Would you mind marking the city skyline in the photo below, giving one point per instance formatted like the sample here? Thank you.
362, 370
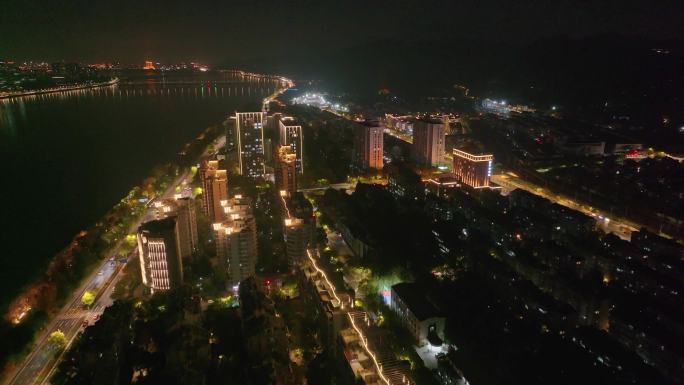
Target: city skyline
337, 192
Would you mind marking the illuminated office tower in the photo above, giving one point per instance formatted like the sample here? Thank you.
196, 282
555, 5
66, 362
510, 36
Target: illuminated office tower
249, 131
428, 142
236, 243
473, 170
161, 267
214, 189
291, 135
286, 169
368, 145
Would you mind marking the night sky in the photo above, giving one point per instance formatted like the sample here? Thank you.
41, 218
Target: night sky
218, 32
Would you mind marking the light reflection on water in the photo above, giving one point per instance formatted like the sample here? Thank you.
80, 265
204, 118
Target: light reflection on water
69, 156
14, 109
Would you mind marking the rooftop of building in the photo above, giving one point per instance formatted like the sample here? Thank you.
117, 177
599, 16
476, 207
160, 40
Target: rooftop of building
299, 206
370, 123
472, 148
359, 362
210, 164
475, 157
159, 225
416, 299
394, 371
429, 120
289, 122
286, 149
250, 107
443, 179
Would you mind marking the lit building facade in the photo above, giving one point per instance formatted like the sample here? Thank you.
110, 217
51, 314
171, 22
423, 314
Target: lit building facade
473, 170
368, 146
214, 189
236, 243
161, 267
291, 134
286, 169
428, 142
249, 131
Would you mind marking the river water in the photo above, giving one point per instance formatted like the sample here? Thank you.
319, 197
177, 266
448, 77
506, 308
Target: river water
68, 157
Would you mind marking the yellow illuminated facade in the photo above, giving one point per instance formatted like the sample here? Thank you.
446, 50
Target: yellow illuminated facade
473, 170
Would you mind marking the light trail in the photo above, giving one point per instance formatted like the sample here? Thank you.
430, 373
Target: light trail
356, 328
365, 346
282, 197
332, 287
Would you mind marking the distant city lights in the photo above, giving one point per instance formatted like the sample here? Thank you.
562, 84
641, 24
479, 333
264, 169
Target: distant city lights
319, 101
502, 107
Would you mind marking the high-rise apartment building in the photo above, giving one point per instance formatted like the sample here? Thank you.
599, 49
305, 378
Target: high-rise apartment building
428, 142
183, 209
187, 227
231, 140
269, 148
286, 169
214, 189
273, 122
291, 135
236, 243
368, 145
249, 132
473, 170
297, 234
300, 225
161, 266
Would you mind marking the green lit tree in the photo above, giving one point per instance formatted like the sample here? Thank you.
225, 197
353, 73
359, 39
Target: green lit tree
57, 340
88, 298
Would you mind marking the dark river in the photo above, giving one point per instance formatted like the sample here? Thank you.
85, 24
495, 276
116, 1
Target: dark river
68, 157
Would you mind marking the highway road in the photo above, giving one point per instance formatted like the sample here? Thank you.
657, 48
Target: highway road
71, 320
74, 317
609, 224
